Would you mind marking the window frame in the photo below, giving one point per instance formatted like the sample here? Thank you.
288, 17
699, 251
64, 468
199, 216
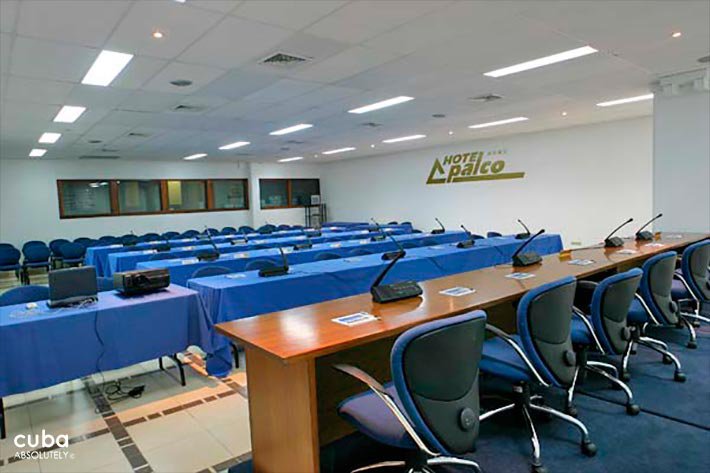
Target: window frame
289, 189
116, 183
60, 196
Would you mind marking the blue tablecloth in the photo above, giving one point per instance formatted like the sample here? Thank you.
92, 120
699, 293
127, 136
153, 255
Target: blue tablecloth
235, 296
127, 260
181, 269
43, 347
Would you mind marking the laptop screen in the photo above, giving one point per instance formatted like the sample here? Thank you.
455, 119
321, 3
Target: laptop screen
72, 284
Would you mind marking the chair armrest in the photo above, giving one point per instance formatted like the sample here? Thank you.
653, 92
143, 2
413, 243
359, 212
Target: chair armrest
509, 340
645, 307
363, 377
589, 326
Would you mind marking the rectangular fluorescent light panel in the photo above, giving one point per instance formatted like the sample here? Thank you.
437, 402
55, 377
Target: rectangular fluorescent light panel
236, 144
339, 150
288, 160
543, 61
404, 138
37, 153
499, 122
49, 137
106, 67
195, 156
291, 129
382, 104
69, 114
638, 98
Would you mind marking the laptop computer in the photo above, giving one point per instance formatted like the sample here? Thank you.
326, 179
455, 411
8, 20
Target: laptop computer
72, 286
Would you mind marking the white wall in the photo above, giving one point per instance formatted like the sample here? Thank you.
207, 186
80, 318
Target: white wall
29, 206
580, 182
681, 180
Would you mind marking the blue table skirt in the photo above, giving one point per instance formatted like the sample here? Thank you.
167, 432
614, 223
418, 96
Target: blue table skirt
44, 347
240, 295
127, 260
182, 269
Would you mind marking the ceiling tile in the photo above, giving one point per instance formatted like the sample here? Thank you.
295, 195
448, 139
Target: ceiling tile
181, 27
38, 91
48, 60
139, 71
282, 90
5, 52
221, 6
104, 133
199, 75
287, 13
345, 64
238, 84
94, 96
234, 42
144, 101
8, 15
71, 21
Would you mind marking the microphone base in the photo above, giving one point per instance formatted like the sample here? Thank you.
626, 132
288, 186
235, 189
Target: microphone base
437, 231
377, 238
238, 242
644, 236
271, 272
162, 248
385, 293
522, 236
302, 246
390, 255
465, 244
613, 242
526, 259
207, 256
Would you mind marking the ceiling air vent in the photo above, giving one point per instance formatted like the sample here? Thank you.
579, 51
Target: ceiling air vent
295, 142
136, 134
284, 60
371, 124
486, 98
189, 108
98, 156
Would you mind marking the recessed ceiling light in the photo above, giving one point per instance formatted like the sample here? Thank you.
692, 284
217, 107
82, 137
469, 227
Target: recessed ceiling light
543, 61
339, 150
157, 34
404, 138
288, 160
180, 1
451, 132
499, 122
382, 104
638, 98
291, 129
106, 67
236, 144
49, 137
195, 156
564, 114
37, 153
69, 114
372, 146
676, 34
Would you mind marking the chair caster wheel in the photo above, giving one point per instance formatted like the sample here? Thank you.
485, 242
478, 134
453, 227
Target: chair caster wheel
633, 409
692, 345
589, 449
667, 360
625, 376
679, 377
571, 411
539, 469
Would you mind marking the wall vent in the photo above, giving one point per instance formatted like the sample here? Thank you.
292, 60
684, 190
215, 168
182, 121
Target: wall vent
98, 156
284, 60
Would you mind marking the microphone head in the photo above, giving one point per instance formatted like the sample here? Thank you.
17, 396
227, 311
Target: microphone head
631, 219
659, 215
542, 230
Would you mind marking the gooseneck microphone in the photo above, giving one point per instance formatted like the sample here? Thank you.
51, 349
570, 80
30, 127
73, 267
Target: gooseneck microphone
390, 255
308, 244
383, 293
276, 270
438, 231
530, 257
524, 235
208, 255
613, 241
468, 243
646, 235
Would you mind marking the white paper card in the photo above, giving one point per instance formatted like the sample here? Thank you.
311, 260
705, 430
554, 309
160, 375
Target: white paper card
235, 275
627, 252
336, 245
457, 291
354, 319
520, 276
240, 255
581, 262
655, 245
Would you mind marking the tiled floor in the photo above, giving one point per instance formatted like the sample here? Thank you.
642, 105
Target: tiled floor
203, 427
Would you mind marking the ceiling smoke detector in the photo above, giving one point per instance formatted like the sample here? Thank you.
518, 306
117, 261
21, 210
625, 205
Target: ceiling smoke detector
284, 60
181, 82
486, 98
439, 115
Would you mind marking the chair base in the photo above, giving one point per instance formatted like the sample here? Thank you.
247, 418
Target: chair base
657, 346
421, 464
608, 371
179, 365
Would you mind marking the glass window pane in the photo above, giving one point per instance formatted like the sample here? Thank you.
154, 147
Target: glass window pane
81, 198
274, 193
229, 194
302, 190
138, 196
186, 195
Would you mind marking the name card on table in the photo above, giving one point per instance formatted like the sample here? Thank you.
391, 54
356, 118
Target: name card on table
457, 291
354, 319
581, 262
519, 276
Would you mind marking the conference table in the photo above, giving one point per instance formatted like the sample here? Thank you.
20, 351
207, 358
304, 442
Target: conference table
293, 389
126, 259
246, 294
181, 269
42, 347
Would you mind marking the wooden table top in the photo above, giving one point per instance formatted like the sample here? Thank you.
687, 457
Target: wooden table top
308, 331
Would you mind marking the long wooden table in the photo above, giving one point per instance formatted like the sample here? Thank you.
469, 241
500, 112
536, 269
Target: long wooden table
293, 390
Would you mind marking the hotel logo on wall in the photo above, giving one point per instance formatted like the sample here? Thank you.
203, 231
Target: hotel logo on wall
470, 167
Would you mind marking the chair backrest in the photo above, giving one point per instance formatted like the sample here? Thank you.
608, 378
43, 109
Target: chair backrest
150, 237
610, 305
108, 240
393, 222
284, 227
190, 234
6, 245
326, 255
72, 250
210, 271
409, 244
246, 228
656, 285
259, 264
54, 245
296, 227
104, 284
544, 317
33, 243
228, 231
359, 252
24, 294
266, 228
439, 394
83, 241
36, 253
9, 256
493, 234
170, 235
213, 231
694, 265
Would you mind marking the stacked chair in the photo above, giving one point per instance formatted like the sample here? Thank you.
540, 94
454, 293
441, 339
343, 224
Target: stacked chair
36, 255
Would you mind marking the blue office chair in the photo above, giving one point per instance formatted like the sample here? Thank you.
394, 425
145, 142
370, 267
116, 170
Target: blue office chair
541, 354
33, 243
692, 283
393, 222
599, 325
283, 227
210, 271
259, 264
86, 242
359, 252
296, 227
35, 256
56, 254
108, 240
246, 229
212, 231
104, 284
228, 231
170, 235
10, 261
24, 294
149, 237
431, 407
189, 234
493, 235
266, 229
6, 245
72, 254
326, 255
